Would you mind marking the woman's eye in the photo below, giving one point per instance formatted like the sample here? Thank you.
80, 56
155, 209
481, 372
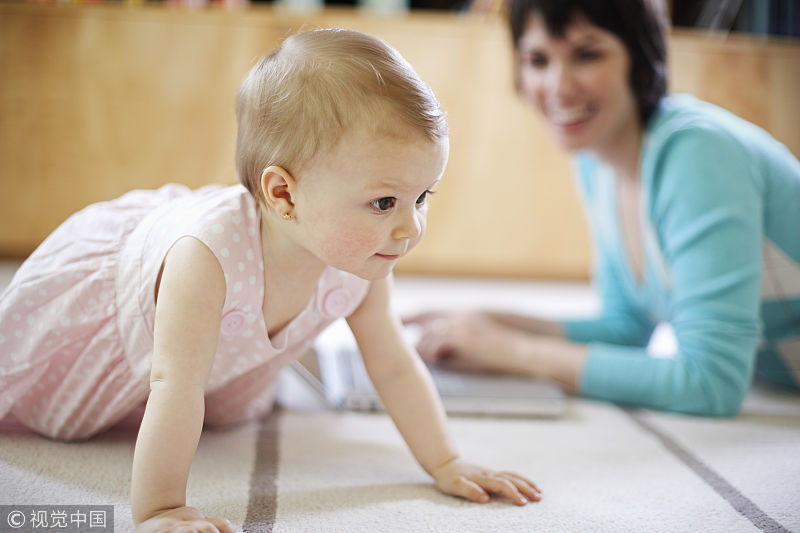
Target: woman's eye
587, 55
424, 197
536, 60
383, 204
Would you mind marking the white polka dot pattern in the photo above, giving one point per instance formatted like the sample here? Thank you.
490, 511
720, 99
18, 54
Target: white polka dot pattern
76, 322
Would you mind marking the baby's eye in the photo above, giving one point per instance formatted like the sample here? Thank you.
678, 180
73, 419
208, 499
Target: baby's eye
424, 197
384, 204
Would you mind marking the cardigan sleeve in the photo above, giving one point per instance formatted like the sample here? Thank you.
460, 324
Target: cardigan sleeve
620, 321
707, 214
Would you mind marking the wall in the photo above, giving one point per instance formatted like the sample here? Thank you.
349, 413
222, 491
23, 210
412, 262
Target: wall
98, 100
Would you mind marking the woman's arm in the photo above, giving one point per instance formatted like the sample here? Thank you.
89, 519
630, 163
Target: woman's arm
410, 398
501, 342
534, 325
620, 321
513, 343
707, 215
708, 219
190, 298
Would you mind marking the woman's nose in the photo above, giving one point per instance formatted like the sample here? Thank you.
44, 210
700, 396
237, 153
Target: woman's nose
561, 81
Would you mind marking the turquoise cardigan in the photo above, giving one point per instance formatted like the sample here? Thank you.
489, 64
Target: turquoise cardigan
721, 210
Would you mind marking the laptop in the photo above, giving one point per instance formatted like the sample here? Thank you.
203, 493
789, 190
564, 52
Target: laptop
335, 371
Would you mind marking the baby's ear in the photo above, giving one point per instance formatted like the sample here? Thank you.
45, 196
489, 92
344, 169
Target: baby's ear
278, 186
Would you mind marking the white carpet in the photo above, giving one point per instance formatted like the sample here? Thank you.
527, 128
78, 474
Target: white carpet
602, 468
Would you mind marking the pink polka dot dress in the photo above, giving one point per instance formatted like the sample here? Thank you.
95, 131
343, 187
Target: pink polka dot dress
76, 322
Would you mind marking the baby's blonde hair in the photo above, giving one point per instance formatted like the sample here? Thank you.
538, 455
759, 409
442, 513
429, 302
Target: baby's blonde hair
298, 100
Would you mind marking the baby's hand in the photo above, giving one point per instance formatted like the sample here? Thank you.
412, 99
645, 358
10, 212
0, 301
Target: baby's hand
475, 483
184, 519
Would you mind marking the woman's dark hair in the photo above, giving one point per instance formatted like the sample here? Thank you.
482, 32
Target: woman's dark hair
640, 24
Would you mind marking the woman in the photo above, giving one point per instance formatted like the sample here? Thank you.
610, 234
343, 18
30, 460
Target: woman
694, 215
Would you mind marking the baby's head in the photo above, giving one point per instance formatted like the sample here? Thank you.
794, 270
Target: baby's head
296, 102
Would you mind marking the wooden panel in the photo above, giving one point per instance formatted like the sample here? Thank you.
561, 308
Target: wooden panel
755, 78
95, 101
99, 101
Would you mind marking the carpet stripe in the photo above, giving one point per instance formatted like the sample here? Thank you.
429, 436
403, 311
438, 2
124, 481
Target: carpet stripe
263, 502
728, 492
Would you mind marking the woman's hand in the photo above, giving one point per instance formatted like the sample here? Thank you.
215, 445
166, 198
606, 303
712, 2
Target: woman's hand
475, 483
471, 341
483, 341
184, 519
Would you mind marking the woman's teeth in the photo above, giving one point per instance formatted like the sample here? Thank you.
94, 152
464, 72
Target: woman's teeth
570, 115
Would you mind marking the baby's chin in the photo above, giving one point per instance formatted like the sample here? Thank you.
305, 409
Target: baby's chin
371, 272
373, 276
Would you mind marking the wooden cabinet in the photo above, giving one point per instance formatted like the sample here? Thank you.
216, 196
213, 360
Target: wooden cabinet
98, 100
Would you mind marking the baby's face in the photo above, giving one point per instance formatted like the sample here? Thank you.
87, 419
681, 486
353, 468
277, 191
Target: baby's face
363, 205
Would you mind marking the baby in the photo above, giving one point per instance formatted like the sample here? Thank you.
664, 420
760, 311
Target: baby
193, 301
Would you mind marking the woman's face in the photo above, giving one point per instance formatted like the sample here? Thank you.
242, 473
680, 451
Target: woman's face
579, 83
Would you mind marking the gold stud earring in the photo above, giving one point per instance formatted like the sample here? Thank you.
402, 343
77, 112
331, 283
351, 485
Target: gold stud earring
287, 216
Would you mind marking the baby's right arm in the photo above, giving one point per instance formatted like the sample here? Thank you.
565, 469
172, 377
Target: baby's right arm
190, 299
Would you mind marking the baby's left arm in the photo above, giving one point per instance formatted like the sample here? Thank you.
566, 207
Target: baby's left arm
410, 398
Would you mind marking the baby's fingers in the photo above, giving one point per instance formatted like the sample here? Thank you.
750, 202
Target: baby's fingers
224, 526
469, 490
527, 487
497, 484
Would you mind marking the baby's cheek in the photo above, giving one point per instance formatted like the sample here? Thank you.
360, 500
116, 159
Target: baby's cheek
348, 244
419, 237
